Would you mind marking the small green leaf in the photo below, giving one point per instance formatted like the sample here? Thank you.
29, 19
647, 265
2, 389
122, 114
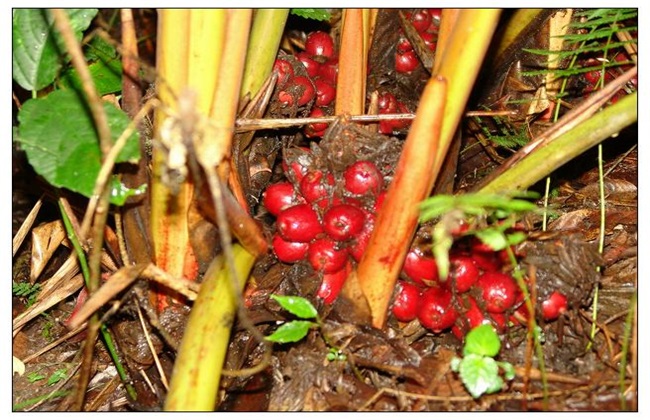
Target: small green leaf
515, 238
494, 238
482, 341
35, 376
37, 48
58, 135
480, 375
508, 370
291, 332
120, 192
56, 377
299, 306
316, 14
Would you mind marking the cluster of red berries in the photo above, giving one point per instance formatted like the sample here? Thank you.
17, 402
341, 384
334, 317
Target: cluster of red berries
323, 220
426, 23
476, 291
593, 77
321, 63
388, 104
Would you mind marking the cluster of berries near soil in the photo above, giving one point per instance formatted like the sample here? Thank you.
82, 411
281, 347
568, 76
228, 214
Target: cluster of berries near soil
320, 61
326, 220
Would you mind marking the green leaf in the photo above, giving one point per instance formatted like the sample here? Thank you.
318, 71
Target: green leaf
494, 238
482, 341
58, 135
35, 376
56, 377
120, 192
480, 375
105, 69
297, 305
291, 332
508, 370
316, 14
38, 49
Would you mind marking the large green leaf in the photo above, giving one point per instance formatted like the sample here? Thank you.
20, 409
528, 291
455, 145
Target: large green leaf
37, 47
58, 134
104, 65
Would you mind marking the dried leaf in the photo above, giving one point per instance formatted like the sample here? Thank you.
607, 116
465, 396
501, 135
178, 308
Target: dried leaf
46, 238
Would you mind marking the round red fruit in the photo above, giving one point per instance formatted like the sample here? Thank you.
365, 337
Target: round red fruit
407, 301
463, 273
387, 103
317, 112
420, 268
280, 196
499, 291
436, 310
298, 223
554, 306
404, 45
319, 43
326, 256
332, 284
406, 62
421, 20
289, 252
360, 242
329, 70
284, 69
429, 40
363, 177
310, 64
308, 92
343, 221
325, 92
315, 185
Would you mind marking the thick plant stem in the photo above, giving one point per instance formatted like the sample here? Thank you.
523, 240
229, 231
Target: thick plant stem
353, 58
571, 144
197, 370
396, 222
265, 37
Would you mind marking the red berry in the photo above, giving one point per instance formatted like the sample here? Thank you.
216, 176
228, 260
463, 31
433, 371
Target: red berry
499, 291
326, 256
470, 315
404, 45
554, 306
319, 43
463, 273
386, 127
284, 70
360, 242
280, 196
310, 64
315, 185
436, 310
421, 20
429, 40
343, 221
329, 70
363, 177
420, 268
406, 62
308, 92
379, 202
316, 129
298, 223
289, 252
325, 92
332, 284
435, 15
387, 103
407, 301
296, 162
486, 261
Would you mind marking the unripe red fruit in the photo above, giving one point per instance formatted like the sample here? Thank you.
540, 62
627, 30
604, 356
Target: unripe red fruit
421, 20
325, 92
499, 291
284, 70
298, 223
406, 62
325, 255
280, 196
343, 221
319, 43
407, 301
463, 273
554, 306
363, 177
313, 186
289, 252
436, 310
420, 268
310, 64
